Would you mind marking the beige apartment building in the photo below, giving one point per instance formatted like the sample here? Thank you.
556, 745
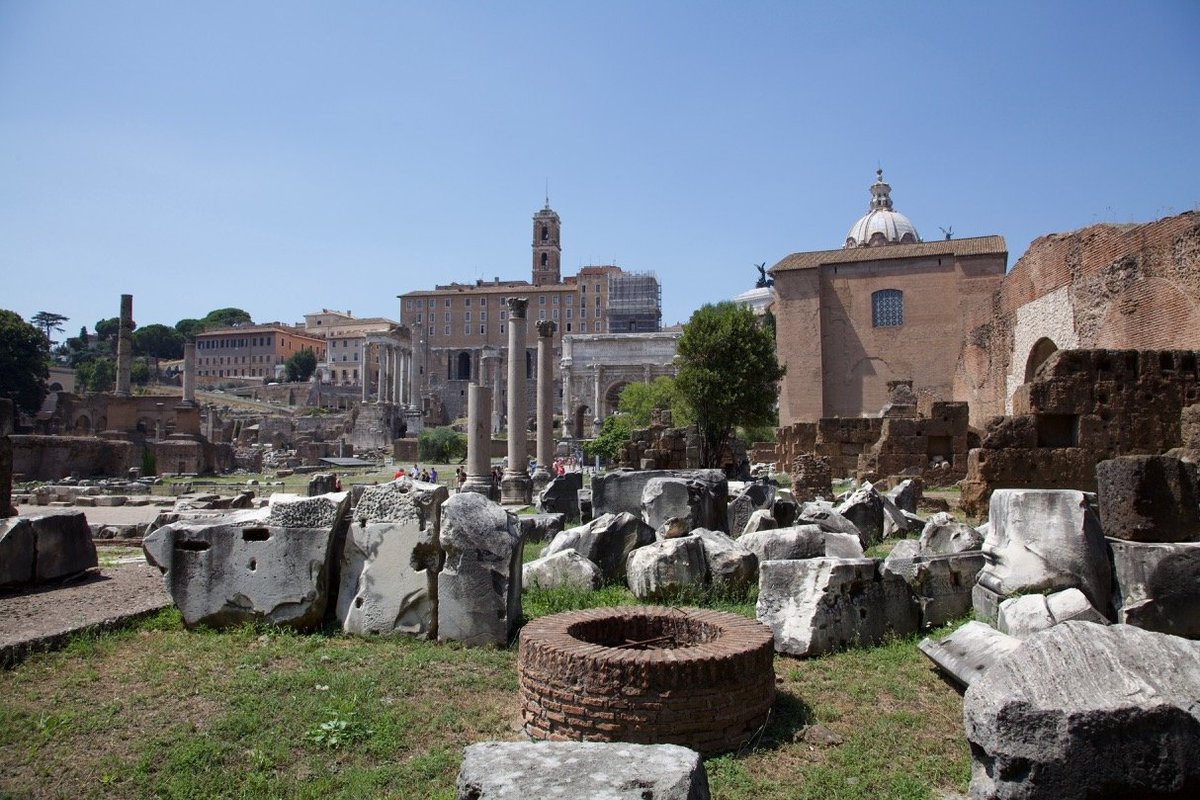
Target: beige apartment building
254, 352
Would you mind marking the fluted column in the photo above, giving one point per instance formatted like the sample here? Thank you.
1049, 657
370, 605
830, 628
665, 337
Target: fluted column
515, 487
479, 439
545, 403
379, 361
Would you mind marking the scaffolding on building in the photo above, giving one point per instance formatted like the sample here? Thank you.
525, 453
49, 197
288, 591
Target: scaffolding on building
634, 302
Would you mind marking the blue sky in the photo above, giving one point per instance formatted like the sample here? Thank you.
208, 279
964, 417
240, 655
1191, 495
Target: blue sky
289, 156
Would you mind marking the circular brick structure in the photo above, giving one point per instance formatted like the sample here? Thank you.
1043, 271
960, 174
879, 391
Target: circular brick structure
648, 675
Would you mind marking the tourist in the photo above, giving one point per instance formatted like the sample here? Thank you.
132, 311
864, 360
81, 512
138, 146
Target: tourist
399, 474
433, 474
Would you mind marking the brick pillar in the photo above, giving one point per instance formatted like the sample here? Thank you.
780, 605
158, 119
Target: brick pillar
515, 487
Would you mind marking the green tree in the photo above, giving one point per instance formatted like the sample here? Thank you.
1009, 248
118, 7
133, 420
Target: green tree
638, 400
300, 366
139, 372
96, 375
188, 328
107, 330
49, 321
728, 373
24, 352
614, 433
225, 317
158, 341
441, 445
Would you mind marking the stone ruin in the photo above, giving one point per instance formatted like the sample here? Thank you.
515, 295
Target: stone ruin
1084, 406
662, 446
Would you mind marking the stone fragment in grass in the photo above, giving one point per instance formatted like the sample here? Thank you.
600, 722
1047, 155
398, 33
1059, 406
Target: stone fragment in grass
479, 588
564, 569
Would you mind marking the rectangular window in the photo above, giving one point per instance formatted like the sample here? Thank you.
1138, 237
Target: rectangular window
482, 329
541, 313
597, 312
447, 302
569, 311
503, 316
887, 308
430, 333
583, 327
555, 314
446, 332
568, 327
467, 302
447, 316
483, 301
502, 329
419, 320
483, 316
570, 299
541, 299
467, 316
466, 330
555, 299
583, 288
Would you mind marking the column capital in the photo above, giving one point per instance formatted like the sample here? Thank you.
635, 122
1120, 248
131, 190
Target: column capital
546, 328
517, 306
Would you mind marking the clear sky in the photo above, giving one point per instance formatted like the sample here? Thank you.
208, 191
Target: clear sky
284, 157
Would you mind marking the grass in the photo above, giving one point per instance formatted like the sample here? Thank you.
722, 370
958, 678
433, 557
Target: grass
158, 711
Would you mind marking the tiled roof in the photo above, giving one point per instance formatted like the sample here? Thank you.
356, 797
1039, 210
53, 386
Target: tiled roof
976, 246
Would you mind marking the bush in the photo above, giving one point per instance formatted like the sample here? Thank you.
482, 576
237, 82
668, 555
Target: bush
441, 445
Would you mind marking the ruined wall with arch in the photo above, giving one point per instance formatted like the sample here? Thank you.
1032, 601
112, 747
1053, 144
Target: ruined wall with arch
1134, 287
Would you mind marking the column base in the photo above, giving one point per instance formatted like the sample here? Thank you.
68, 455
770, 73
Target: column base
515, 488
480, 484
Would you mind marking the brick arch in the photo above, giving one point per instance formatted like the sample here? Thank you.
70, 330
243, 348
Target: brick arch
1042, 349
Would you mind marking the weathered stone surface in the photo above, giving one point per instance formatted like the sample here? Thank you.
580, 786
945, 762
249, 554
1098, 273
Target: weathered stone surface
1087, 711
63, 546
1031, 613
895, 521
1149, 499
801, 541
1043, 540
479, 588
606, 541
221, 574
730, 565
739, 512
322, 511
593, 770
906, 494
822, 514
561, 495
785, 510
541, 527
941, 584
864, 508
673, 529
662, 570
969, 651
684, 497
760, 520
1157, 586
16, 551
943, 534
818, 605
566, 568
620, 491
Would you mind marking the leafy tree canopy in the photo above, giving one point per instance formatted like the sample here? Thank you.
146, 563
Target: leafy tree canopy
638, 400
139, 372
300, 366
441, 445
158, 341
24, 351
225, 317
96, 375
614, 433
728, 374
49, 321
188, 328
107, 329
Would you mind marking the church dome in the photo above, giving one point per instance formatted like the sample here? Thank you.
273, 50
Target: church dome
881, 224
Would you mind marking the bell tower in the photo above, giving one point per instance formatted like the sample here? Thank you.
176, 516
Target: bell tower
547, 247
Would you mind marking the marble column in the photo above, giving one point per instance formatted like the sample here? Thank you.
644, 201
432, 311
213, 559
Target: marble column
545, 403
479, 439
380, 382
189, 373
394, 374
515, 486
124, 345
366, 371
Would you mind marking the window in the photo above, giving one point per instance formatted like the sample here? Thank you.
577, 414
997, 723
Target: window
483, 316
544, 259
569, 310
467, 317
545, 233
466, 330
447, 302
483, 301
887, 308
467, 302
568, 327
482, 330
501, 329
446, 332
541, 299
583, 327
541, 313
419, 320
447, 316
570, 299
555, 301
503, 316
597, 312
556, 313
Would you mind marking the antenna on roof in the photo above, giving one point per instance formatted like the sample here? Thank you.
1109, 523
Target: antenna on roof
948, 231
547, 192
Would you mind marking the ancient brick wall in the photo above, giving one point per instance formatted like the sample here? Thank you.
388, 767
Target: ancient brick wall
1105, 286
1082, 407
934, 446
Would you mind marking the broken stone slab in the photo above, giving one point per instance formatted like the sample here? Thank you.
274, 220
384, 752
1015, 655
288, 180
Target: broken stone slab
1043, 540
760, 520
785, 509
1087, 711
609, 770
566, 568
1032, 613
801, 541
667, 497
822, 514
672, 529
63, 546
390, 560
739, 512
1149, 499
1157, 585
864, 508
606, 541
730, 565
541, 527
479, 588
664, 570
895, 522
221, 573
941, 584
620, 491
943, 534
818, 605
16, 551
906, 494
321, 511
561, 495
969, 651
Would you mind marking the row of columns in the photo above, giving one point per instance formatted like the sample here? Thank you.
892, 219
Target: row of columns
516, 485
395, 366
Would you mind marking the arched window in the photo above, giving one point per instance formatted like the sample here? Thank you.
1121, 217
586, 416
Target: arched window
887, 308
464, 366
545, 233
545, 259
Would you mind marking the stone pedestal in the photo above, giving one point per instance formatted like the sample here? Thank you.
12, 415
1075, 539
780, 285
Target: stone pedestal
545, 404
479, 436
515, 487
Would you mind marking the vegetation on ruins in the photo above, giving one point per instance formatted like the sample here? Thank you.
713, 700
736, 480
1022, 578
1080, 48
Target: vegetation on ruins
24, 353
728, 374
639, 400
442, 445
49, 322
95, 375
300, 366
614, 433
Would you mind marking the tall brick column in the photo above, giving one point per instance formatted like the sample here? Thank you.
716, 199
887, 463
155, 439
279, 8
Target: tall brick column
545, 403
479, 439
515, 486
124, 345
